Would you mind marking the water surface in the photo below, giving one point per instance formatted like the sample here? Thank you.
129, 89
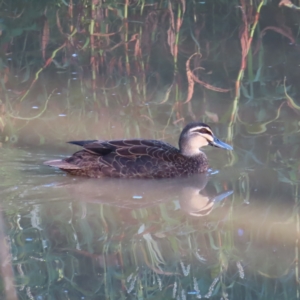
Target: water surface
233, 231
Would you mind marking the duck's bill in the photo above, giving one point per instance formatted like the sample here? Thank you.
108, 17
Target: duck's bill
217, 143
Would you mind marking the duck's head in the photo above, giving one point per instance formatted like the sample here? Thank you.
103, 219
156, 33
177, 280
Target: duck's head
196, 135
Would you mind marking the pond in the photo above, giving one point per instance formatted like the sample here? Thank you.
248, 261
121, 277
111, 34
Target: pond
84, 70
230, 233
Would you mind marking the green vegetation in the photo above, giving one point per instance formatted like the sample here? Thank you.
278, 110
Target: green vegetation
82, 58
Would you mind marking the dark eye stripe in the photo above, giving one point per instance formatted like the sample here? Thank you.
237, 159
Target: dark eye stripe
204, 130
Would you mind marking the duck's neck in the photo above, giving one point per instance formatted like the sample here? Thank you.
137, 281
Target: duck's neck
190, 146
198, 157
189, 151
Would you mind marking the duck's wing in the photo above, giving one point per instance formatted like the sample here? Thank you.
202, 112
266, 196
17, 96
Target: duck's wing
131, 158
94, 146
125, 147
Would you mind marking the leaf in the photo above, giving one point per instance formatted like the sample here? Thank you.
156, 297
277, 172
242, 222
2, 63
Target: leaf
160, 235
290, 100
45, 37
190, 79
257, 76
245, 91
26, 75
141, 229
171, 30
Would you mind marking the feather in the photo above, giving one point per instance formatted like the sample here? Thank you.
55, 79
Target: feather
58, 163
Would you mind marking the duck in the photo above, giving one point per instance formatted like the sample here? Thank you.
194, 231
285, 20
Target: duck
142, 158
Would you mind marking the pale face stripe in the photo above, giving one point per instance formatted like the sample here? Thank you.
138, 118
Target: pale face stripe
207, 136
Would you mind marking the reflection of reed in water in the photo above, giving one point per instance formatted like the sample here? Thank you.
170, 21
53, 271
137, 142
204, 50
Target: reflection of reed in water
138, 248
114, 248
6, 266
189, 193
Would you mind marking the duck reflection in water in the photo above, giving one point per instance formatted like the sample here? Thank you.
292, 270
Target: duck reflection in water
188, 193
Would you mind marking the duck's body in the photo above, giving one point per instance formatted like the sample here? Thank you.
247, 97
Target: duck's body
139, 158
131, 159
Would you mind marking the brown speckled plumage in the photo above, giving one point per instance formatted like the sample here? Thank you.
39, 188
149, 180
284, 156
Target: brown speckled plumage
138, 158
